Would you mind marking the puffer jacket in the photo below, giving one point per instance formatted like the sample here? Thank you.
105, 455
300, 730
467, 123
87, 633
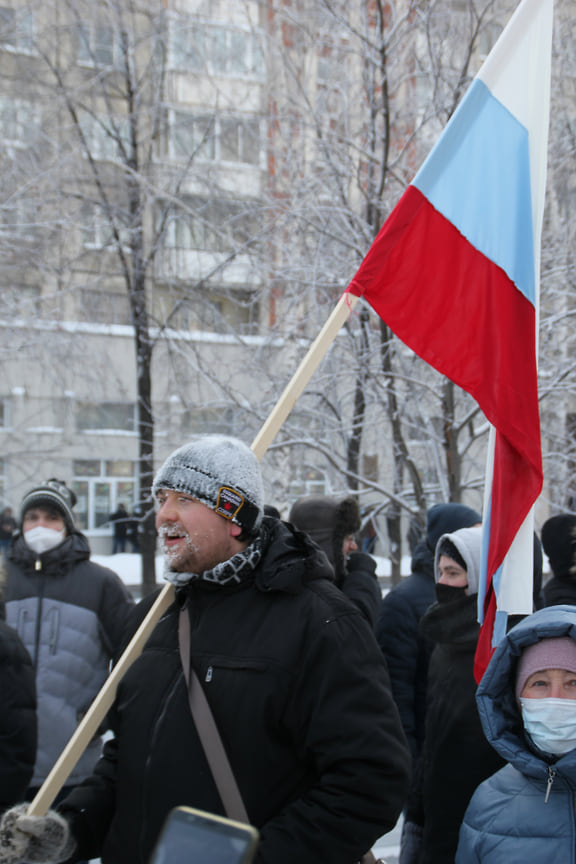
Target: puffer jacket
301, 696
527, 810
70, 614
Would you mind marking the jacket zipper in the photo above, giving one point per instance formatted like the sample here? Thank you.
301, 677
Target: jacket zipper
38, 567
551, 777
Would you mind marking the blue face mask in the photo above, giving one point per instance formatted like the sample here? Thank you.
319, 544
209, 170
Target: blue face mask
550, 723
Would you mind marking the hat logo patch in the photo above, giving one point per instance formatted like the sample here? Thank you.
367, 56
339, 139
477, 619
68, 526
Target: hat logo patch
228, 502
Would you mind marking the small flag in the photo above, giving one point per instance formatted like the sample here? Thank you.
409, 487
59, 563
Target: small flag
454, 272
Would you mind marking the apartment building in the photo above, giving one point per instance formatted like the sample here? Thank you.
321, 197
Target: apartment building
186, 190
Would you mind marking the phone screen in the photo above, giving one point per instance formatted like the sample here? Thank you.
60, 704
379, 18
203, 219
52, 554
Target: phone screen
193, 837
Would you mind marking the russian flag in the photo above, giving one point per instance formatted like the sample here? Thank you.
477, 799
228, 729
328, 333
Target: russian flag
454, 272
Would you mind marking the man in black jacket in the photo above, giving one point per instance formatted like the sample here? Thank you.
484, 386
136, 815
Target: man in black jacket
292, 672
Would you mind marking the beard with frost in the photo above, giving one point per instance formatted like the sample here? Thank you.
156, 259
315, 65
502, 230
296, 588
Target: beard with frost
233, 570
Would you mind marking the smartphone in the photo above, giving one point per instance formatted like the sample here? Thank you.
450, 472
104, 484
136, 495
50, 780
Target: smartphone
192, 836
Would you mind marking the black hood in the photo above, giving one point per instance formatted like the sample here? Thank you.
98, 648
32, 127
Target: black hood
290, 559
441, 519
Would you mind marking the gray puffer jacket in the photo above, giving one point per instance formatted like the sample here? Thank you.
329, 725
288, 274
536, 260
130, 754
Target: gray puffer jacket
527, 810
70, 613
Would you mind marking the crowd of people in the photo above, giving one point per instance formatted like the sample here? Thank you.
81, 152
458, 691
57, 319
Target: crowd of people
338, 710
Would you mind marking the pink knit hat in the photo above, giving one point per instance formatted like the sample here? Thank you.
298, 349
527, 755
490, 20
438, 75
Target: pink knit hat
557, 653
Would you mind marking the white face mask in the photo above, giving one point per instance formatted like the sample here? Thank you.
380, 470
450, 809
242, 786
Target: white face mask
551, 723
41, 539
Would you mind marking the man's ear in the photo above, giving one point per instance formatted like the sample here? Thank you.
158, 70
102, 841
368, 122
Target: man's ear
235, 530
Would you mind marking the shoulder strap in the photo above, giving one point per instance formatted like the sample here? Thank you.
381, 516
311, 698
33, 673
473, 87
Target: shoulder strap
208, 731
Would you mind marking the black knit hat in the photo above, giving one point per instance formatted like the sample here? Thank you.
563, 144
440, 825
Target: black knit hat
51, 494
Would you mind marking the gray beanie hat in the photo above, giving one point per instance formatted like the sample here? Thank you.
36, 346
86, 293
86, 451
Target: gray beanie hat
468, 542
54, 494
220, 472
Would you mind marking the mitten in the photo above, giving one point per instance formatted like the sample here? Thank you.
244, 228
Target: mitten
34, 839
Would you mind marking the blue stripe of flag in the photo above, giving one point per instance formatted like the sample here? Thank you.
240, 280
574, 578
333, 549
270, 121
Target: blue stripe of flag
478, 177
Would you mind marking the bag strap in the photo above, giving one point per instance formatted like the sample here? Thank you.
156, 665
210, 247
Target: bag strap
208, 731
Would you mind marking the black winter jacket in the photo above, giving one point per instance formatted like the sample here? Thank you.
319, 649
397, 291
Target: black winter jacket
301, 696
17, 718
456, 756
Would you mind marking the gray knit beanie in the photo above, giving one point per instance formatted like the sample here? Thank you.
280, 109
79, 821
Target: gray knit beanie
220, 472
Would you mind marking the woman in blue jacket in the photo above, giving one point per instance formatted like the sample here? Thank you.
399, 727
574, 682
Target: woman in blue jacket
527, 705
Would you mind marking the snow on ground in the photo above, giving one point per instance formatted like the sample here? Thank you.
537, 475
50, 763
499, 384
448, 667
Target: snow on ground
128, 566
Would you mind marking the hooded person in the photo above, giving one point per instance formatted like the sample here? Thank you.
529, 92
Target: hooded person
69, 612
334, 525
559, 544
527, 705
456, 756
315, 746
406, 651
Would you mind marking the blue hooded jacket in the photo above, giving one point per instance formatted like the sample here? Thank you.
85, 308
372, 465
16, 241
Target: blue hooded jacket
527, 810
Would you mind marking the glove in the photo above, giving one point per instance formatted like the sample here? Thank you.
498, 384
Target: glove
35, 839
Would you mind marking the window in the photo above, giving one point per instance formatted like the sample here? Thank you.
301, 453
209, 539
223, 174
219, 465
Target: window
192, 135
100, 485
208, 310
16, 30
200, 421
98, 416
306, 481
216, 50
103, 307
213, 225
19, 217
227, 138
98, 45
239, 140
97, 229
105, 135
19, 301
19, 122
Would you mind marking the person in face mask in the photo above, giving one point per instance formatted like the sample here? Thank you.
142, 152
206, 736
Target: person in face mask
527, 705
455, 755
70, 614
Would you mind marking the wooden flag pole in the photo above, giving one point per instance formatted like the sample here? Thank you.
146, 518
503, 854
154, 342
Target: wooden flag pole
303, 374
93, 718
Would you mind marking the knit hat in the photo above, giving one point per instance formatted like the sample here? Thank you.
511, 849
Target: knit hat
52, 493
468, 542
556, 653
559, 543
220, 472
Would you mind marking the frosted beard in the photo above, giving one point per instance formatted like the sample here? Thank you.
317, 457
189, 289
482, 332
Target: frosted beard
173, 555
235, 569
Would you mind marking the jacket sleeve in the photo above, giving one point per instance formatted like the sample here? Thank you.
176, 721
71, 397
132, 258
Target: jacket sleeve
361, 586
17, 719
342, 713
398, 636
116, 604
89, 807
